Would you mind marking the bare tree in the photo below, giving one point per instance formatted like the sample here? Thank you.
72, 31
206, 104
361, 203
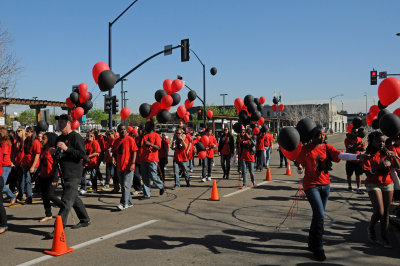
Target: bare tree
317, 112
9, 64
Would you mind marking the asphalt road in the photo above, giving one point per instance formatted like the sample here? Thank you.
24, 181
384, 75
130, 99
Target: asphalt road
263, 225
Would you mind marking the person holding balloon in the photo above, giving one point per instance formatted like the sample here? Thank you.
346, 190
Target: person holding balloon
226, 147
211, 143
93, 150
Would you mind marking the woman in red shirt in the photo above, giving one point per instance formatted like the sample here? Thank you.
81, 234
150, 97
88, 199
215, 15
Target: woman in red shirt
110, 169
7, 164
3, 215
30, 161
48, 175
93, 150
17, 152
247, 146
379, 183
163, 155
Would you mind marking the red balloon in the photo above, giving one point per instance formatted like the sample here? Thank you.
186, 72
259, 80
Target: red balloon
210, 114
202, 155
198, 138
349, 127
166, 101
154, 109
374, 110
79, 112
176, 85
397, 112
74, 124
261, 121
69, 103
389, 90
129, 129
262, 99
292, 155
181, 111
97, 69
205, 140
167, 86
188, 104
281, 107
82, 88
186, 118
370, 119
125, 112
239, 104
256, 131
274, 107
83, 97
135, 131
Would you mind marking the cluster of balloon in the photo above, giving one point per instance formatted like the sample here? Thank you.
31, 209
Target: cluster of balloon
201, 145
276, 107
356, 123
249, 110
103, 76
79, 102
132, 130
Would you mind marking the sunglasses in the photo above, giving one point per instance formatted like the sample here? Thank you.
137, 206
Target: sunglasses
19, 130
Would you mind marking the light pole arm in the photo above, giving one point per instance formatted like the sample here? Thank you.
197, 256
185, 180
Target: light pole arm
123, 12
196, 95
197, 57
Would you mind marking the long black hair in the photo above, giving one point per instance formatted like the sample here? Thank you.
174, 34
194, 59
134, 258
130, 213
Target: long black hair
371, 137
51, 139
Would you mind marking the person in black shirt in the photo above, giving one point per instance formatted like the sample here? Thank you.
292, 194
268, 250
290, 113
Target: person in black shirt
69, 153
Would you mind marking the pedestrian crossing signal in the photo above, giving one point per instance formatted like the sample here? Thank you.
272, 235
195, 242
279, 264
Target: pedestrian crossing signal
374, 77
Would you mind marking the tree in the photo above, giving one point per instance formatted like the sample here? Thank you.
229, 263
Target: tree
27, 117
97, 115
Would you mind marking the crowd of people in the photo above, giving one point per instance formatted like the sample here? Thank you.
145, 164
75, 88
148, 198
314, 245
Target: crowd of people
138, 161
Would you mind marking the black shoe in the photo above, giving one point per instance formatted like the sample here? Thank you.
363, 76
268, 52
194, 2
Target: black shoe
320, 255
144, 198
49, 235
162, 191
280, 166
80, 224
188, 184
28, 200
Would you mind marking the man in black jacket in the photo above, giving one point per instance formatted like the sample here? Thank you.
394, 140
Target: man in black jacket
226, 147
69, 153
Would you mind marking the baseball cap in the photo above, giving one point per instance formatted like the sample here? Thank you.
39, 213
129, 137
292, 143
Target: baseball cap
63, 117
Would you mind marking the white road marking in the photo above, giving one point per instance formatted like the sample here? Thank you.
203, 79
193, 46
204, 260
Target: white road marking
90, 242
242, 190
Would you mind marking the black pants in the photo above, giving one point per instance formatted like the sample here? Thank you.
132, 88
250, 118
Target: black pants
3, 215
226, 164
162, 162
207, 164
71, 199
12, 179
281, 158
48, 194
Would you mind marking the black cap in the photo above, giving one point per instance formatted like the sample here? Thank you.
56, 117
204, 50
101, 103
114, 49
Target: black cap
64, 117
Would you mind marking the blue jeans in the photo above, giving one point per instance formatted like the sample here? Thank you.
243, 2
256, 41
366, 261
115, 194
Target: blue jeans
207, 165
149, 172
181, 166
6, 173
125, 181
3, 215
267, 155
191, 164
247, 165
26, 183
318, 197
93, 178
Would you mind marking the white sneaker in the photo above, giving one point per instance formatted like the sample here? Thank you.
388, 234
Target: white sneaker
203, 179
121, 207
102, 182
209, 178
82, 192
191, 171
128, 206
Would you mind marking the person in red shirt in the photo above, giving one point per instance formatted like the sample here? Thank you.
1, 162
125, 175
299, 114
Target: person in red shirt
100, 140
124, 157
226, 147
16, 157
163, 155
355, 145
151, 144
180, 145
107, 160
247, 146
93, 150
379, 183
268, 142
5, 144
3, 214
48, 175
30, 162
260, 151
209, 160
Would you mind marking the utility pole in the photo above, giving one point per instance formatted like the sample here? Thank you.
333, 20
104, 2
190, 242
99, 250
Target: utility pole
223, 99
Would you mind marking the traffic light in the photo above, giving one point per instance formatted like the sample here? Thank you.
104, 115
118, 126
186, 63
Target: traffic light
107, 103
374, 77
199, 115
114, 105
185, 50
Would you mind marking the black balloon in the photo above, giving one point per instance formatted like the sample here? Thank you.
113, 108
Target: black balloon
382, 113
42, 126
305, 127
164, 116
159, 94
90, 96
243, 116
176, 99
191, 117
259, 107
87, 105
213, 71
144, 109
357, 122
375, 124
361, 133
106, 80
192, 96
289, 138
152, 119
381, 106
200, 147
74, 97
256, 116
251, 107
248, 99
257, 101
390, 125
237, 127
263, 129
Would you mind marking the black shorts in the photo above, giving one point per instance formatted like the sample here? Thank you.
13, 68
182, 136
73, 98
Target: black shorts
356, 168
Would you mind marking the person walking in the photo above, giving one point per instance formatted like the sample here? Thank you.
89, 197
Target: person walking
260, 151
5, 144
226, 148
3, 214
268, 142
355, 145
93, 150
107, 160
248, 151
208, 162
180, 145
163, 155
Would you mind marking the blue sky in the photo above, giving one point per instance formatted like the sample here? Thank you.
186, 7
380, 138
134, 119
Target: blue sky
309, 50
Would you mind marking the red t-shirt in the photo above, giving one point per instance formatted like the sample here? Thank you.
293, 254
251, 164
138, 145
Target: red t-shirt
268, 140
308, 159
18, 154
245, 151
348, 142
378, 178
101, 142
6, 147
225, 145
163, 152
29, 155
46, 164
149, 153
107, 150
90, 148
180, 154
210, 151
395, 149
123, 150
260, 142
139, 154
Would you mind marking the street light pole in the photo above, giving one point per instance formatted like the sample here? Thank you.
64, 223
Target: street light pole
122, 93
223, 99
5, 106
331, 109
366, 103
277, 100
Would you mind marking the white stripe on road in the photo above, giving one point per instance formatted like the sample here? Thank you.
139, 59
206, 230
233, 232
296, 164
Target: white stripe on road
242, 190
90, 242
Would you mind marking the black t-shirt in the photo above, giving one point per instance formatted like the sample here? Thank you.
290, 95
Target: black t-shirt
71, 160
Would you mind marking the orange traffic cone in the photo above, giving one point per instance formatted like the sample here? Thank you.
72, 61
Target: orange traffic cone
268, 175
288, 171
59, 244
214, 192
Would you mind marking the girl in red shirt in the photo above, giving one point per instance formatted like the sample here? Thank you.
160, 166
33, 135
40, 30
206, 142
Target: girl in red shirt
93, 150
17, 152
247, 146
7, 164
110, 169
379, 184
